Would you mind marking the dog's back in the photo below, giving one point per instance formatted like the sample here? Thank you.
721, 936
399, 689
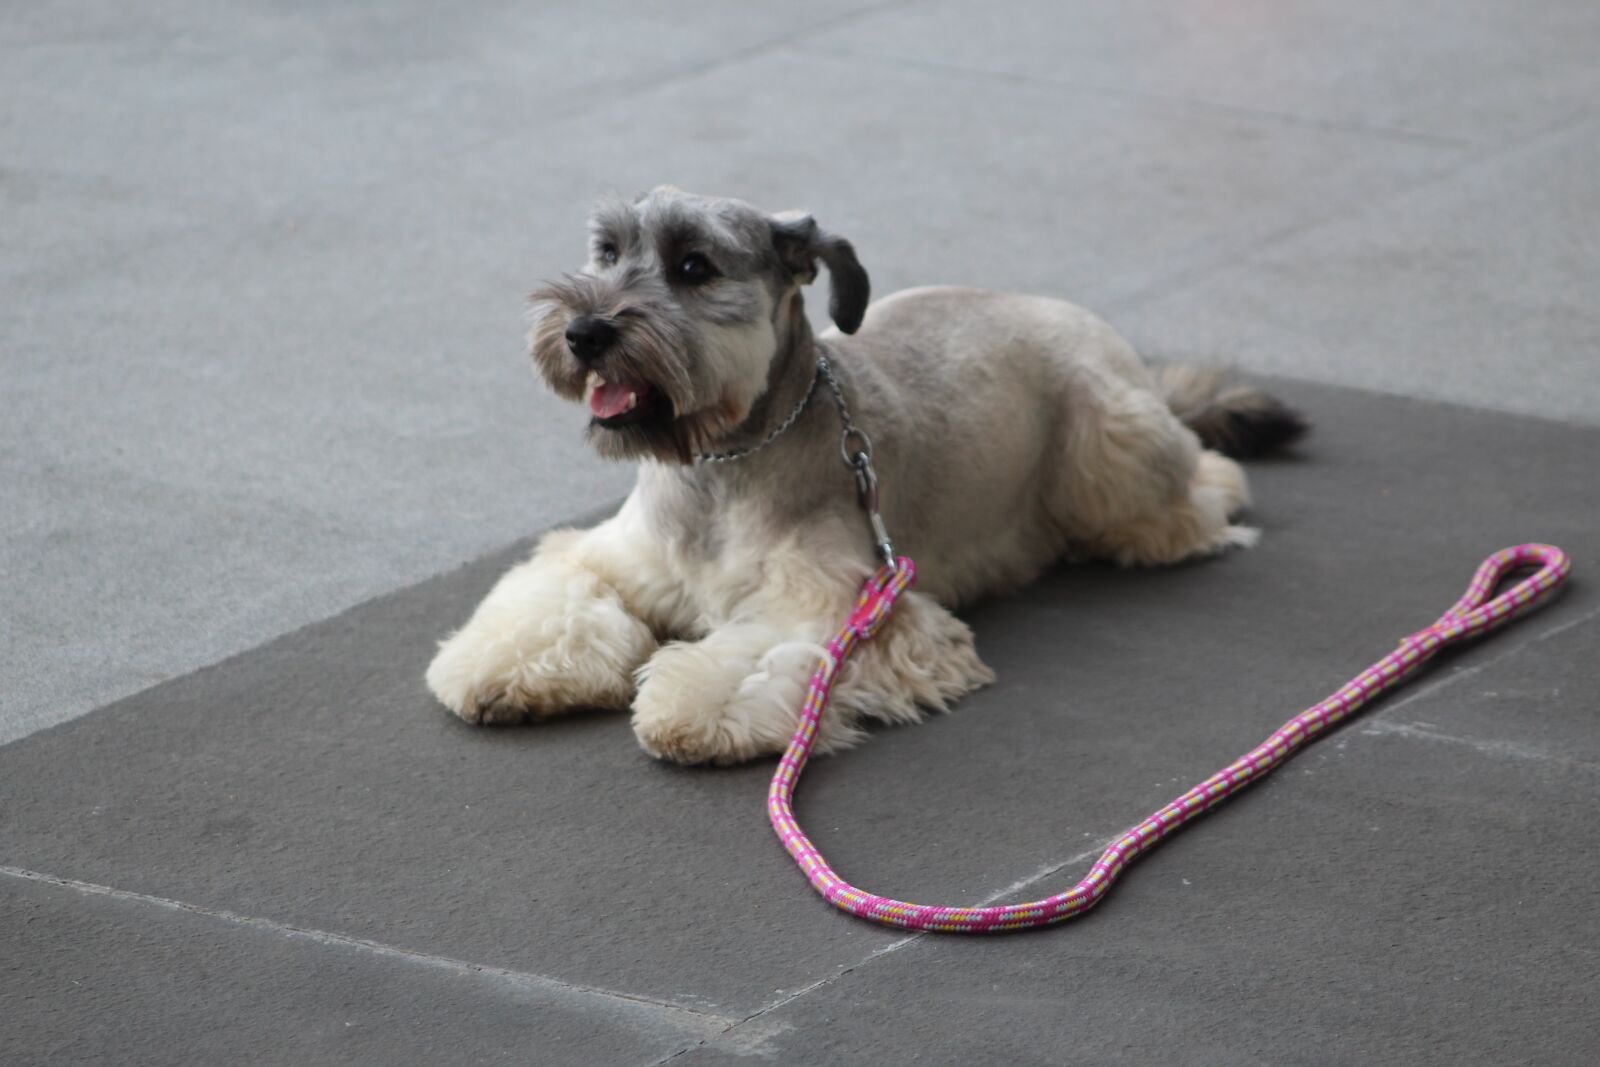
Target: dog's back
1037, 410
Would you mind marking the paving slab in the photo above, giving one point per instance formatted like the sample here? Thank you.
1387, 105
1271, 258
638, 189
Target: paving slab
1477, 288
91, 976
312, 783
1477, 72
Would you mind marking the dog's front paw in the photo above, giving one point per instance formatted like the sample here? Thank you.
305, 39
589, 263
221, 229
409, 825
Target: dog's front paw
695, 705
497, 671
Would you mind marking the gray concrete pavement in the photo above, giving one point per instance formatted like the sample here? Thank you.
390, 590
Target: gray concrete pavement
261, 364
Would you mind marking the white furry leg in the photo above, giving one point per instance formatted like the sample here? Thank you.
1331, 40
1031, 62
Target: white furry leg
736, 694
551, 635
1195, 525
728, 697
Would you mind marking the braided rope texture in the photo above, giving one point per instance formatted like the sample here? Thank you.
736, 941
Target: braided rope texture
1476, 613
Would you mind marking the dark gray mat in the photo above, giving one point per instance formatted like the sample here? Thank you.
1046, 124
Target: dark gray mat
95, 977
1390, 898
311, 783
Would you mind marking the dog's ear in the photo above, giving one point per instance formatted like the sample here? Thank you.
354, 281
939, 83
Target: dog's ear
801, 242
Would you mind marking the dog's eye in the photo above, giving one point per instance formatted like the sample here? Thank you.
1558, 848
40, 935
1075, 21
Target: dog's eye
696, 268
608, 253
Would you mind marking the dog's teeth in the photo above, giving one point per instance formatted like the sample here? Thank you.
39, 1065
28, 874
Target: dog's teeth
595, 381
633, 401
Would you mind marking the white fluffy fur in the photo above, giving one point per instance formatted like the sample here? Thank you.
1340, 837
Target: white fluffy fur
573, 627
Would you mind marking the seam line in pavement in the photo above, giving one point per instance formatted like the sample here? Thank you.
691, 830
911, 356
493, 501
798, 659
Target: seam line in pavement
1428, 689
652, 1009
1188, 277
594, 515
644, 87
1420, 731
933, 66
786, 39
1564, 422
888, 950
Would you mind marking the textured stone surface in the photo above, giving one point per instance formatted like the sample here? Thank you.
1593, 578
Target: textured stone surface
1475, 72
1476, 287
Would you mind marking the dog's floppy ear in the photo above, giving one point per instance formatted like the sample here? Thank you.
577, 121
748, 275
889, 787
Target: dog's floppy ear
801, 242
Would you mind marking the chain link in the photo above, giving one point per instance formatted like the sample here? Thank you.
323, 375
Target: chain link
855, 448
783, 427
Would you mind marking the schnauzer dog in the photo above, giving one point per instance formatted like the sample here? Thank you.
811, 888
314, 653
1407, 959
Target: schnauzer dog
1009, 431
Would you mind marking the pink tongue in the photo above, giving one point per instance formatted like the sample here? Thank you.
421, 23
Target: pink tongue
611, 399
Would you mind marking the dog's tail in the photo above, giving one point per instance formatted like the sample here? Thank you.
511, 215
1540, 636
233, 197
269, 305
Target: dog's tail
1236, 419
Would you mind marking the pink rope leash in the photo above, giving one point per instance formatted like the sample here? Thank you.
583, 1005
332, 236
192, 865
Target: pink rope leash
1476, 613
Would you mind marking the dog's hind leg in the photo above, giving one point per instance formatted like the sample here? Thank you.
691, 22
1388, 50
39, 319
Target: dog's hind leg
1138, 488
555, 633
1194, 524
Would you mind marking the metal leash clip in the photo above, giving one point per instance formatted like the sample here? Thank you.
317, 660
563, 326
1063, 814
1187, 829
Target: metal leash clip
860, 464
855, 448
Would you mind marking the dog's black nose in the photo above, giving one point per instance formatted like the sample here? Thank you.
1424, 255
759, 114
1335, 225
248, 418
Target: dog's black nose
589, 337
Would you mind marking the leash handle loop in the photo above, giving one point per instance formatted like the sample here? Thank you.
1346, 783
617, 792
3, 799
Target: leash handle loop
1479, 611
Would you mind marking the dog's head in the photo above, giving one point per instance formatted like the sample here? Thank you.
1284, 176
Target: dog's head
670, 331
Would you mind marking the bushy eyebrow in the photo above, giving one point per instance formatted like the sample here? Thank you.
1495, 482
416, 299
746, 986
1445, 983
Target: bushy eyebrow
678, 230
611, 220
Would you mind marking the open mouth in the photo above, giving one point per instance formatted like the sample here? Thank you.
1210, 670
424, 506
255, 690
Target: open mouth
621, 403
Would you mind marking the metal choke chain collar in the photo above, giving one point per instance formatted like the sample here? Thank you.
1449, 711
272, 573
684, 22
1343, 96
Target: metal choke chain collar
855, 448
